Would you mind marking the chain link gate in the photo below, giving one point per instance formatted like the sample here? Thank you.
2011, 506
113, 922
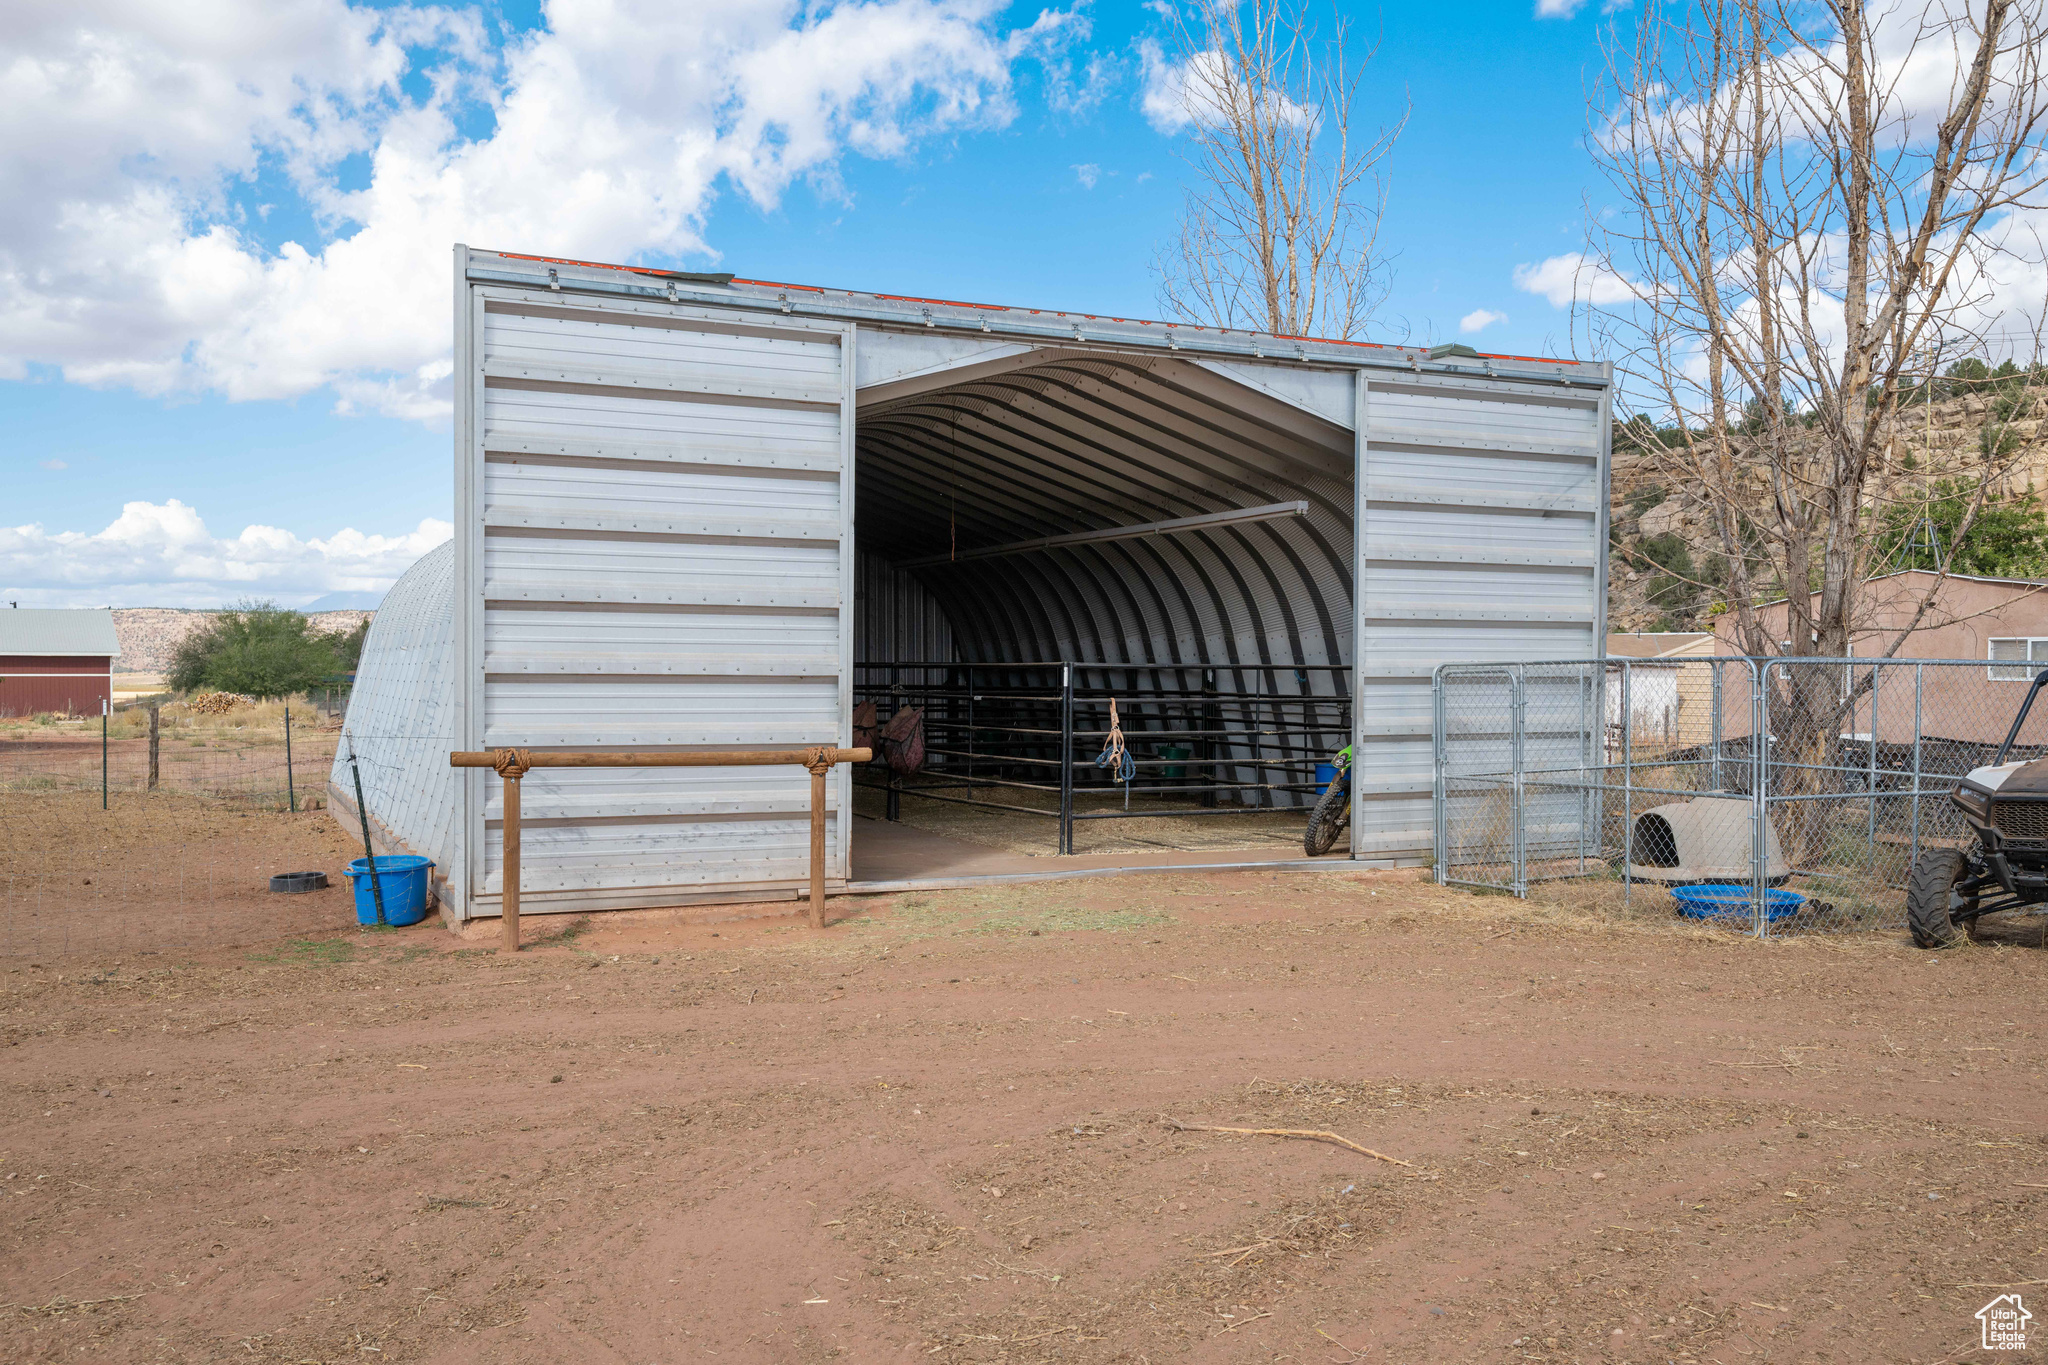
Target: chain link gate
1651, 773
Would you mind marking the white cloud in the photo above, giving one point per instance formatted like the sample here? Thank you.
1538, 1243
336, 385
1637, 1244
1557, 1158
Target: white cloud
163, 555
1479, 319
1558, 9
135, 136
1076, 95
55, 464
1179, 94
1573, 277
1088, 173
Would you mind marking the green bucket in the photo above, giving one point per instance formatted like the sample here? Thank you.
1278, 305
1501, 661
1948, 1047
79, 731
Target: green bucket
1175, 754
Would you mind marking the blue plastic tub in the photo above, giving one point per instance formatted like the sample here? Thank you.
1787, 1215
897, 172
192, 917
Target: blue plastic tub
402, 878
1326, 773
1724, 900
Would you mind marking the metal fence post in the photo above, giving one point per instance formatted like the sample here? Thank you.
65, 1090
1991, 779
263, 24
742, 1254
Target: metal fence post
1760, 804
155, 734
1436, 763
106, 708
1518, 790
1066, 758
1870, 772
1588, 690
1919, 674
291, 794
1714, 776
1628, 784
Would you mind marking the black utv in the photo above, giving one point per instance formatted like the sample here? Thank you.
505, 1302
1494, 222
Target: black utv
2006, 805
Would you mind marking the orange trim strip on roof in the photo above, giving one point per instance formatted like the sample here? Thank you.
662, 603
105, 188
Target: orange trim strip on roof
1006, 308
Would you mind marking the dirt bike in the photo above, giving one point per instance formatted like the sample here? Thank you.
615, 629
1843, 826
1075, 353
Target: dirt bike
1332, 813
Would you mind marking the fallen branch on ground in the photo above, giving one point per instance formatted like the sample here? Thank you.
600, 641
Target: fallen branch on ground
1311, 1134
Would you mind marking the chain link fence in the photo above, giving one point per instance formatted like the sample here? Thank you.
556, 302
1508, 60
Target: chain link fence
1810, 784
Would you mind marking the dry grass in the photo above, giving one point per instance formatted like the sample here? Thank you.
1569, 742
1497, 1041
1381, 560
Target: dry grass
258, 722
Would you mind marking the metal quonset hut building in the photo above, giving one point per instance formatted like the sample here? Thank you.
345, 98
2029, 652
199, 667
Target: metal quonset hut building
669, 485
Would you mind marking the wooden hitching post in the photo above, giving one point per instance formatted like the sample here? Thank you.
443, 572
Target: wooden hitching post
511, 765
819, 761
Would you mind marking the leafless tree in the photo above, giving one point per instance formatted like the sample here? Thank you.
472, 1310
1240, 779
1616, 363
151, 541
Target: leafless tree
1280, 228
1816, 200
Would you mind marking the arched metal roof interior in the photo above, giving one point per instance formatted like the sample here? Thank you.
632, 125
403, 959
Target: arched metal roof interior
1087, 441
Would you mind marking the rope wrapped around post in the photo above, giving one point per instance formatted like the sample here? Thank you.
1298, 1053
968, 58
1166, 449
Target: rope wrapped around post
514, 764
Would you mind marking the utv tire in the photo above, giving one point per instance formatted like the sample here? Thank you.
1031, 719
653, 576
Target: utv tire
1330, 818
1932, 902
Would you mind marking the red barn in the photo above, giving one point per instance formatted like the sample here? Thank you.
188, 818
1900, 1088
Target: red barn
60, 661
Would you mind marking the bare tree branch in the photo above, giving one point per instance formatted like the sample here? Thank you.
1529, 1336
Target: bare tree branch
1279, 232
1808, 229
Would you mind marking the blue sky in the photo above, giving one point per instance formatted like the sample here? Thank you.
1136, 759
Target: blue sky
262, 390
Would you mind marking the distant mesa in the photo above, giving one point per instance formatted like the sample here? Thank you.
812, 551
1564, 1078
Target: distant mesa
345, 601
150, 635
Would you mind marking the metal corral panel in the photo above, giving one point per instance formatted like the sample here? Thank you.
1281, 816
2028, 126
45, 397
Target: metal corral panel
653, 510
1484, 506
401, 722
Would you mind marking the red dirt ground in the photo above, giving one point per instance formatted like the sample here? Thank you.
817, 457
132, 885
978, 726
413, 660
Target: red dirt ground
934, 1132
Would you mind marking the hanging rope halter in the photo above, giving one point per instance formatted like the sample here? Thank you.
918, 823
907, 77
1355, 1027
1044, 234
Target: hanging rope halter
1114, 756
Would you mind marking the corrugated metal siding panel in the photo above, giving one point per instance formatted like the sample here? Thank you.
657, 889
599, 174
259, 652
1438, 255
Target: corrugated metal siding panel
401, 715
658, 350
627, 426
661, 514
689, 853
627, 713
895, 619
595, 568
654, 492
1436, 590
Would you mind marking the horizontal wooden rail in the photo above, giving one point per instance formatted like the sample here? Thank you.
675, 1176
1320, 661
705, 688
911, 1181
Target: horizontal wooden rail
691, 758
513, 764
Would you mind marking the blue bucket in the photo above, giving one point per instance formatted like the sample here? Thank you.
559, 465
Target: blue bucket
403, 880
1723, 900
1326, 773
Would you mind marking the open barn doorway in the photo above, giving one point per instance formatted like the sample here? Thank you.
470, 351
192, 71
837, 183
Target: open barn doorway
1060, 549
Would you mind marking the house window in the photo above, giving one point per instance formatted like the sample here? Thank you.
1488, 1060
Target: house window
2017, 660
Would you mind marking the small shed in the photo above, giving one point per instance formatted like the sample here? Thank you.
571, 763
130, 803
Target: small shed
695, 511
59, 661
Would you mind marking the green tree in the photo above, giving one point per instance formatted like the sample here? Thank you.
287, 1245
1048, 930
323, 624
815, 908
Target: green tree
348, 646
1671, 587
257, 649
2009, 539
1969, 375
